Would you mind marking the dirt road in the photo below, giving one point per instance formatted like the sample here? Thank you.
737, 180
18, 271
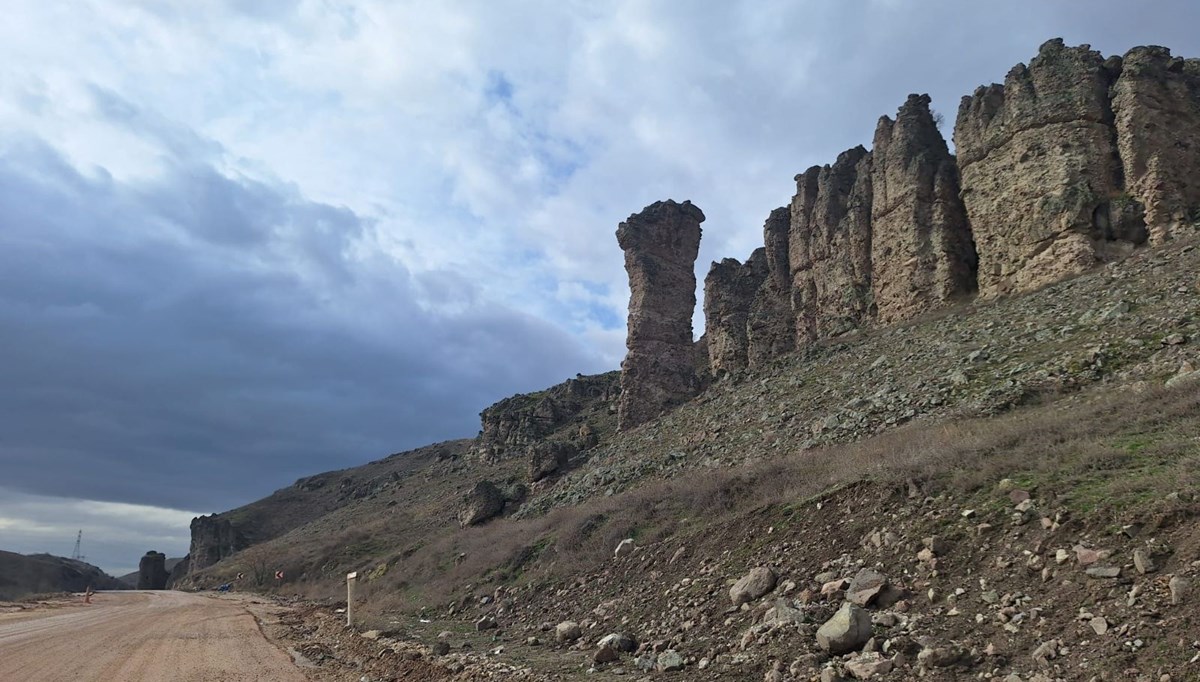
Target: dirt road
142, 636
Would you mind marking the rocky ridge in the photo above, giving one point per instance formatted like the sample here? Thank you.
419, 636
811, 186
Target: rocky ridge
1074, 161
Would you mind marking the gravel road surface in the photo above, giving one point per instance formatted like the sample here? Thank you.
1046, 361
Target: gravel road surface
142, 637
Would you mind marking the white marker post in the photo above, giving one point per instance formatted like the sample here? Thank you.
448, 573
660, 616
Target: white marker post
351, 579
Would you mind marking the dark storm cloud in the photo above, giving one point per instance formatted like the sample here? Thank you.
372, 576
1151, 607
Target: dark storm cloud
197, 340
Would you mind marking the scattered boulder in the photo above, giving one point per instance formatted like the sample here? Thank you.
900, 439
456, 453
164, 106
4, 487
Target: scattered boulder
487, 622
619, 641
868, 665
846, 631
865, 587
546, 458
567, 631
485, 501
624, 548
753, 585
669, 661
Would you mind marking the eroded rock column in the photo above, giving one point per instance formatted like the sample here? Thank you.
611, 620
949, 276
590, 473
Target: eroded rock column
660, 244
771, 329
152, 571
921, 249
1040, 173
729, 290
1156, 104
829, 248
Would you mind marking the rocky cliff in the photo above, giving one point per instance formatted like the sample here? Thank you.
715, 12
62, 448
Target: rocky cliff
576, 410
1075, 160
660, 244
213, 538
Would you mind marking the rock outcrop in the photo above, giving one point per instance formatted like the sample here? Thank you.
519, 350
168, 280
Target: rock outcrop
1156, 106
152, 571
660, 244
729, 291
510, 426
921, 250
213, 539
546, 458
1038, 158
829, 247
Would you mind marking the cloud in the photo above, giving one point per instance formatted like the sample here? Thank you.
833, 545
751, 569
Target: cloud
241, 242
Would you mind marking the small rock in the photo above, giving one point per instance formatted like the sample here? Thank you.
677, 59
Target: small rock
868, 665
940, 656
1143, 563
619, 641
370, 634
1086, 556
1099, 625
440, 648
488, 622
605, 654
1179, 589
669, 660
1104, 571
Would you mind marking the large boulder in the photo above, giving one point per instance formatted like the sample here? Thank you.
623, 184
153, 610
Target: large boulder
660, 244
753, 585
485, 501
846, 631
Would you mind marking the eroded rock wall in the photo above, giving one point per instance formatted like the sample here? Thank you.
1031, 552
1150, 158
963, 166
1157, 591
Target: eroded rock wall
1156, 106
922, 254
213, 539
771, 328
729, 291
1040, 171
829, 248
660, 244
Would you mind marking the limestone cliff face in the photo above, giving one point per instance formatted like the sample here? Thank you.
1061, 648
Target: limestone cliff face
1040, 170
1156, 106
213, 539
921, 249
829, 247
660, 244
729, 290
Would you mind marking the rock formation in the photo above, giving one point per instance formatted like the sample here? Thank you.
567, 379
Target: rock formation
213, 539
1156, 106
829, 247
510, 426
1038, 158
771, 328
152, 571
729, 290
547, 457
921, 249
660, 244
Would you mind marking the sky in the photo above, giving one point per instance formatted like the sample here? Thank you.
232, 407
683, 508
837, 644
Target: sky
245, 241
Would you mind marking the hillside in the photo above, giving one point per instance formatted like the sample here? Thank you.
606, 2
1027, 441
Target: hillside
22, 575
944, 424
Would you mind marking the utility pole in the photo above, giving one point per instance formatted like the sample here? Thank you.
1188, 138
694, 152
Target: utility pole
77, 555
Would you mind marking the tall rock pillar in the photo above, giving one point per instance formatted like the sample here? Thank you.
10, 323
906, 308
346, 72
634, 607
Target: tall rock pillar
660, 244
152, 571
921, 249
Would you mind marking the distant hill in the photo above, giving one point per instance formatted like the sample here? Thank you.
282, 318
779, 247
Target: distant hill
130, 579
22, 575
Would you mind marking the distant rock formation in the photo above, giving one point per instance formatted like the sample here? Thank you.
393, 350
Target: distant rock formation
1075, 160
921, 250
152, 571
660, 244
213, 539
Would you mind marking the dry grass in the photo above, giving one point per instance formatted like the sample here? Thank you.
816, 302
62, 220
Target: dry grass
1111, 455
